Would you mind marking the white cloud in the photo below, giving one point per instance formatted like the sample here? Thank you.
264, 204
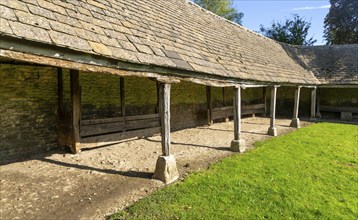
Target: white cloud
311, 8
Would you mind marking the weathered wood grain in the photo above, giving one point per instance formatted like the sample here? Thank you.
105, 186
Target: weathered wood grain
96, 141
164, 109
76, 110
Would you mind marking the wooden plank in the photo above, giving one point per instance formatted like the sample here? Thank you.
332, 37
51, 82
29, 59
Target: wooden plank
326, 108
108, 139
297, 102
273, 106
237, 114
119, 119
225, 108
164, 109
253, 109
209, 105
76, 110
227, 111
222, 113
98, 129
313, 103
122, 95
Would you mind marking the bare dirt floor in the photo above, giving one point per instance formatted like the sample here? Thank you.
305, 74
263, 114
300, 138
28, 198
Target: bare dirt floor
98, 182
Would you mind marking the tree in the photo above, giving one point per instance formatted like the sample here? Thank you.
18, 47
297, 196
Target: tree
292, 31
223, 8
341, 22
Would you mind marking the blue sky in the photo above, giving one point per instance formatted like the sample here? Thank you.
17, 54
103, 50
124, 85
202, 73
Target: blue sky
265, 11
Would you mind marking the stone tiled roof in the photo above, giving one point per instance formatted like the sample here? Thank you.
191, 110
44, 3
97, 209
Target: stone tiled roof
336, 64
170, 33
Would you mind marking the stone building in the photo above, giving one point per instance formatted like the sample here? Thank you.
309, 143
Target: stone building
91, 73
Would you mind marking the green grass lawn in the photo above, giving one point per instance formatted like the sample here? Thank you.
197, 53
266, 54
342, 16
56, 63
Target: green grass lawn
307, 174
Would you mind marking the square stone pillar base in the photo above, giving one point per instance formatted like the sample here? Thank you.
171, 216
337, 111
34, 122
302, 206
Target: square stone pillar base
238, 146
295, 123
166, 169
272, 131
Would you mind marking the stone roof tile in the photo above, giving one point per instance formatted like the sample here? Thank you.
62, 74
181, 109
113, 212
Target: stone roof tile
100, 48
153, 32
69, 41
5, 26
27, 18
7, 13
34, 9
336, 64
29, 32
14, 5
52, 7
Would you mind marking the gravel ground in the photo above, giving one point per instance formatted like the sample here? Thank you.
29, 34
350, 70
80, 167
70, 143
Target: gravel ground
97, 182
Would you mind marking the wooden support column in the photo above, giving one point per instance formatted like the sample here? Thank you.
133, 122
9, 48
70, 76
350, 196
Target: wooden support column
166, 169
226, 119
295, 120
272, 129
313, 103
122, 94
164, 109
238, 144
209, 105
60, 91
265, 99
318, 98
157, 106
75, 110
60, 136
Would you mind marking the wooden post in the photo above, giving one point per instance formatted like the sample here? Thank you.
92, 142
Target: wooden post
76, 110
313, 103
165, 169
237, 113
157, 106
272, 129
60, 107
209, 105
265, 99
60, 91
122, 94
164, 109
295, 120
318, 98
238, 144
226, 119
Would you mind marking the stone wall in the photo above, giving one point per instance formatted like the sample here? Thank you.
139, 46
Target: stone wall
28, 103
285, 101
339, 97
344, 97
28, 110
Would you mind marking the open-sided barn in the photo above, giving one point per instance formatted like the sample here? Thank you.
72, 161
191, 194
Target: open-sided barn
90, 73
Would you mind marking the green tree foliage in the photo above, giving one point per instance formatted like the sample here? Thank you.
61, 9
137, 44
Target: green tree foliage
223, 8
341, 22
292, 31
